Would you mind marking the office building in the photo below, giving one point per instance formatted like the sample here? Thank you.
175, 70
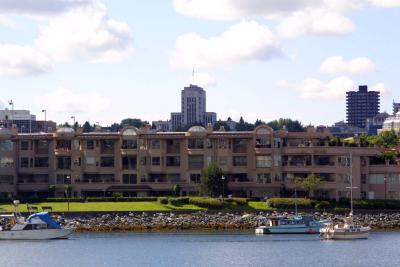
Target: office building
24, 121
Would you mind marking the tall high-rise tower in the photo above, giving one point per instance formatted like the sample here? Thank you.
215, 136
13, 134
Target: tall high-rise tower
361, 104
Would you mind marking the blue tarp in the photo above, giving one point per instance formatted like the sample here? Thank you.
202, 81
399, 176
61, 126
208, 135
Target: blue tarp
44, 216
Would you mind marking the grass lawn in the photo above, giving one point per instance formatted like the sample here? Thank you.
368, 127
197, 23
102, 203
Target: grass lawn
128, 206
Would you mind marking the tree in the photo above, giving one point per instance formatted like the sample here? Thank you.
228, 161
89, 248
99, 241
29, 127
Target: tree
291, 125
244, 126
258, 123
219, 124
309, 183
133, 122
176, 190
211, 182
387, 139
87, 128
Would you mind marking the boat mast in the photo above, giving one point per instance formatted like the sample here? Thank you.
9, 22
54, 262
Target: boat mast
351, 184
295, 200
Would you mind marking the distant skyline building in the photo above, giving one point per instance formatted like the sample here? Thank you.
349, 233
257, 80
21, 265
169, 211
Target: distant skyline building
376, 123
193, 108
24, 121
396, 107
360, 105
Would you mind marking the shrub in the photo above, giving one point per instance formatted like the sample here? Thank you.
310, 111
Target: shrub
240, 200
163, 200
55, 199
136, 199
289, 203
323, 205
209, 203
178, 201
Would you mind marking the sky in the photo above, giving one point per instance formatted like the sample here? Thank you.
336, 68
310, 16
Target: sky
107, 60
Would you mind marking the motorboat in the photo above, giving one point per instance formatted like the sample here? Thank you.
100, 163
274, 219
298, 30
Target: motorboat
37, 226
298, 224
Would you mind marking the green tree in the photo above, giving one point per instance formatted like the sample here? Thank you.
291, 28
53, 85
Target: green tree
211, 182
87, 128
388, 139
176, 190
244, 126
291, 125
309, 183
219, 124
133, 122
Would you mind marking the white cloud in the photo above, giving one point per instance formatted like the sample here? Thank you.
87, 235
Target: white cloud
203, 79
246, 41
16, 60
333, 90
338, 65
85, 33
41, 7
63, 100
315, 21
385, 3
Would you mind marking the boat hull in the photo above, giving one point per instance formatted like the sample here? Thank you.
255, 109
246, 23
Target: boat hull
42, 234
345, 236
287, 230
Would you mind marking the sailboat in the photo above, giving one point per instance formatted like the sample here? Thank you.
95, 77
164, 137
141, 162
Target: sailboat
297, 224
37, 226
348, 229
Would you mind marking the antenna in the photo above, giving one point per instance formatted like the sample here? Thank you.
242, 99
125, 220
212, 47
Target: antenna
351, 185
193, 72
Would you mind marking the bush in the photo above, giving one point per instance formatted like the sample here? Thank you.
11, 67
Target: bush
238, 200
163, 200
323, 205
55, 199
289, 203
137, 199
178, 201
209, 203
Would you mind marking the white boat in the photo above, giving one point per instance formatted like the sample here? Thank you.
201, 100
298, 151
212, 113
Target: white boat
347, 229
38, 226
299, 224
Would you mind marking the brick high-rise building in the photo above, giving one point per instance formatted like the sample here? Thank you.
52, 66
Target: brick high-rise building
361, 104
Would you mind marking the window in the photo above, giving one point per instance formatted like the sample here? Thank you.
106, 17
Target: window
394, 178
263, 143
376, 178
263, 161
143, 161
42, 147
64, 163
155, 161
196, 162
41, 162
25, 145
6, 179
155, 144
90, 161
363, 178
107, 146
64, 144
224, 144
240, 161
277, 161
173, 177
129, 162
195, 143
173, 161
63, 179
6, 145
264, 178
344, 161
129, 179
239, 145
195, 178
129, 144
24, 162
107, 162
89, 144
6, 162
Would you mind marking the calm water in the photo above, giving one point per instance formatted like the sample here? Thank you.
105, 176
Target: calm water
202, 249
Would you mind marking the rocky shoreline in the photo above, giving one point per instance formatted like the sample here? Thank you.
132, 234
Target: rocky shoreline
169, 221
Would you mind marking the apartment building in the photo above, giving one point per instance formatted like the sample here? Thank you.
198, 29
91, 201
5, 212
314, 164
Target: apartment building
138, 162
361, 105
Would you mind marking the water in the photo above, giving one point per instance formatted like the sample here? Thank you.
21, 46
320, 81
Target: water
202, 249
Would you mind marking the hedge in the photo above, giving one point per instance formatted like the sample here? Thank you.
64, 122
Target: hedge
289, 203
209, 203
323, 205
163, 200
178, 201
238, 200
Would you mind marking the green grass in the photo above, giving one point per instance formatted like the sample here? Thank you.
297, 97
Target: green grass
129, 206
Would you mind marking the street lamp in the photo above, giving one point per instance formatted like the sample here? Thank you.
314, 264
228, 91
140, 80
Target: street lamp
68, 188
11, 103
73, 117
223, 187
385, 181
45, 120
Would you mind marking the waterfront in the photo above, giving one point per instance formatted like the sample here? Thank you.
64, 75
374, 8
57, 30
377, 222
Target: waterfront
202, 249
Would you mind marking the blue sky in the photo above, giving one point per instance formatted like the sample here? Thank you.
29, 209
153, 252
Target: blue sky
103, 61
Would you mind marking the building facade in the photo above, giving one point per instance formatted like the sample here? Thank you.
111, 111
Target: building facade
361, 104
396, 107
193, 109
139, 162
24, 121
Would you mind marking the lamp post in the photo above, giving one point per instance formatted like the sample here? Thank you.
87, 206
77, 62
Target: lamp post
45, 120
223, 187
68, 187
11, 103
385, 182
73, 118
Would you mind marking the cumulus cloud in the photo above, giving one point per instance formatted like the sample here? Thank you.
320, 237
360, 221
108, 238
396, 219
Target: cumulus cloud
63, 100
202, 79
16, 60
385, 3
338, 65
316, 22
333, 90
246, 41
86, 33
